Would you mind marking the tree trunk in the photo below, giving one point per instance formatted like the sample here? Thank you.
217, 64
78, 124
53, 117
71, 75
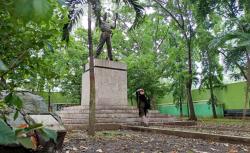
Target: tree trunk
247, 89
131, 99
211, 87
192, 115
49, 100
212, 97
3, 83
91, 128
153, 103
188, 114
190, 103
181, 110
246, 102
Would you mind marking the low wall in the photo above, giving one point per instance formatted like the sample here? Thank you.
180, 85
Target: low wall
232, 96
202, 109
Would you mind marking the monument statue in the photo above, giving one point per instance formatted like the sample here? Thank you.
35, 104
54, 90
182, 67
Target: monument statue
106, 28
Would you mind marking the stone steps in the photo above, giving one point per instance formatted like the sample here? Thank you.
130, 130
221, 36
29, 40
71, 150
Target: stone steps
77, 116
110, 111
106, 120
80, 115
114, 120
98, 126
102, 107
106, 126
107, 115
85, 111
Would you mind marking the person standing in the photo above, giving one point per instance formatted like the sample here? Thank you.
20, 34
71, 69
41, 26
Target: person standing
143, 105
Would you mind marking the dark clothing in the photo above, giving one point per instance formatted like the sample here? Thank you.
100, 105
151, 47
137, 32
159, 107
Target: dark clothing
142, 103
105, 37
106, 29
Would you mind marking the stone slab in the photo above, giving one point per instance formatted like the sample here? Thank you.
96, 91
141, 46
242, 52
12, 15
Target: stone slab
110, 83
98, 126
195, 135
181, 123
98, 63
48, 121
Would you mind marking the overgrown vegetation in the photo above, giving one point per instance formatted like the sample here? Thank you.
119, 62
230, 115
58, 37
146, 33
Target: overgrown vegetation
180, 44
29, 29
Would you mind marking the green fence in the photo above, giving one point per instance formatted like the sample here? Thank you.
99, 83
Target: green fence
59, 98
202, 109
232, 96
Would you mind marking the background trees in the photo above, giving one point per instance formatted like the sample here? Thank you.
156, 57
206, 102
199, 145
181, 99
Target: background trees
233, 39
75, 11
27, 34
181, 14
180, 45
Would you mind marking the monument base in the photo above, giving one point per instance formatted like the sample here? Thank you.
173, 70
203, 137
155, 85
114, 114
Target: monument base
111, 100
109, 118
110, 84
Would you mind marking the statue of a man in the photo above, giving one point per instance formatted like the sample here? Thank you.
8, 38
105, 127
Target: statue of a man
106, 34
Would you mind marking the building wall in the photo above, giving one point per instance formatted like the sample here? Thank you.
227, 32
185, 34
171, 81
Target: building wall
59, 98
202, 109
232, 96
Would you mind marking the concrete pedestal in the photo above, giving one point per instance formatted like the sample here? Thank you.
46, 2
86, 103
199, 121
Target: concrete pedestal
111, 100
110, 84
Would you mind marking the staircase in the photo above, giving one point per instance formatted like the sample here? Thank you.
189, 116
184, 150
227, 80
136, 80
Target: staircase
76, 117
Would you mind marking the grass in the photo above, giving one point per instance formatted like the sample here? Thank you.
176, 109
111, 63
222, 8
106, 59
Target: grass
224, 121
59, 98
109, 134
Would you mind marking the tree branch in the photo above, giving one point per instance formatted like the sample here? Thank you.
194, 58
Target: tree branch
161, 42
19, 59
182, 19
172, 15
237, 64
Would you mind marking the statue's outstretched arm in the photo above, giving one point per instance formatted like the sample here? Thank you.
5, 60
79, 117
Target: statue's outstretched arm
114, 25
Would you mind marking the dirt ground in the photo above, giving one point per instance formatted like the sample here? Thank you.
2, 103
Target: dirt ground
124, 141
232, 127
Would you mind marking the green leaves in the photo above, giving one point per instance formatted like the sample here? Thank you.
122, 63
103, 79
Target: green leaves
42, 9
51, 134
37, 10
48, 134
24, 135
2, 104
2, 66
7, 135
16, 115
27, 142
32, 28
13, 100
139, 10
143, 73
23, 9
243, 39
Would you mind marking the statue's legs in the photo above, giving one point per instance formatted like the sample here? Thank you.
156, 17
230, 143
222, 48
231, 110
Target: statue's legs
100, 45
109, 47
105, 37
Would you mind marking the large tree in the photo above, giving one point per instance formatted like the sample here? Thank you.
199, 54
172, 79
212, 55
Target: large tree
27, 28
211, 74
31, 31
232, 40
181, 14
75, 13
